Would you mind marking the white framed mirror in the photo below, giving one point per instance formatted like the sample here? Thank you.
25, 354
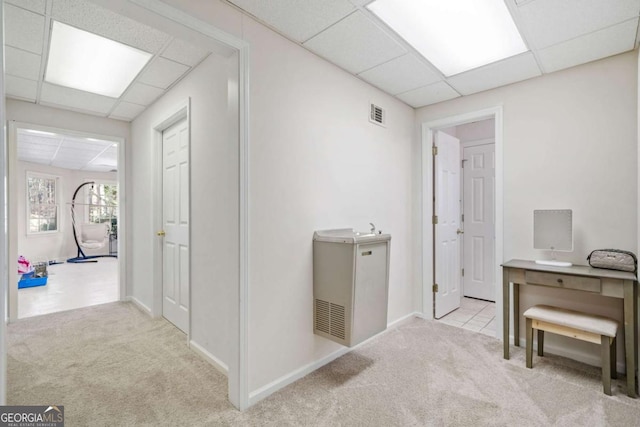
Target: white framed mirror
553, 231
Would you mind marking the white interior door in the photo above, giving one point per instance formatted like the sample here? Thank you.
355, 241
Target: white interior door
447, 209
175, 222
479, 222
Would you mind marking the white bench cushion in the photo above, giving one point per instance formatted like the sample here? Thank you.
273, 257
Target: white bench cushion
573, 319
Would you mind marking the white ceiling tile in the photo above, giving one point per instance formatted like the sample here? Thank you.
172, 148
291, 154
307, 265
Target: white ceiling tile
610, 41
103, 162
82, 144
98, 20
75, 99
142, 94
162, 73
109, 157
23, 29
68, 164
127, 111
36, 148
24, 135
356, 44
549, 22
184, 53
427, 95
17, 87
507, 71
39, 151
68, 155
401, 74
297, 19
37, 6
43, 158
22, 63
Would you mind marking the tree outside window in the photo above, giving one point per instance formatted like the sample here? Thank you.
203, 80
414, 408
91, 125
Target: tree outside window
42, 204
103, 205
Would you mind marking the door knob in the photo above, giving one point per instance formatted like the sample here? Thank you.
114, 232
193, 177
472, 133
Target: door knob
161, 233
459, 231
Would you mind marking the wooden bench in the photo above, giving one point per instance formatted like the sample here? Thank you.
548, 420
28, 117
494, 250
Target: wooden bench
574, 324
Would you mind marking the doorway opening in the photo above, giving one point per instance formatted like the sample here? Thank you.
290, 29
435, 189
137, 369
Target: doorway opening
50, 168
462, 220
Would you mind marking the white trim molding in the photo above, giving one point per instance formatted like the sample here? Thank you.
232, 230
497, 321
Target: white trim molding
139, 304
214, 361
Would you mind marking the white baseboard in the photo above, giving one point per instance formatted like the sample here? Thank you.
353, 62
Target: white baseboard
138, 304
217, 363
265, 391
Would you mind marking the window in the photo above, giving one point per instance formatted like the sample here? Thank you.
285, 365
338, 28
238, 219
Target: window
42, 203
102, 204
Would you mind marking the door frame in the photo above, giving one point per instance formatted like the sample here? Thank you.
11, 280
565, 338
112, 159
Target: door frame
427, 261
176, 114
463, 145
12, 208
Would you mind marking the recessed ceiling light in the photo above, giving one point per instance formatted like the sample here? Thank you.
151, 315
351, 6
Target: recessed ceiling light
454, 35
40, 132
85, 61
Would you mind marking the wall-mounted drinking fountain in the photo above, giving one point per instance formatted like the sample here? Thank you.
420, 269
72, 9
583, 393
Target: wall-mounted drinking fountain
350, 284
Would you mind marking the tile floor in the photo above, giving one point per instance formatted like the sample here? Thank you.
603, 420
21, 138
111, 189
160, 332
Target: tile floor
474, 314
70, 286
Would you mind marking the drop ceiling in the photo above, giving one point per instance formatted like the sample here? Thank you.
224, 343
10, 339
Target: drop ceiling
27, 32
558, 33
67, 151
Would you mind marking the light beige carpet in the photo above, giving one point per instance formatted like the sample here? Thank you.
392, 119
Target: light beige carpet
112, 365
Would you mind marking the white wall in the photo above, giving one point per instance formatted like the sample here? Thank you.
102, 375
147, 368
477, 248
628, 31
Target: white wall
59, 245
475, 131
570, 141
315, 163
214, 203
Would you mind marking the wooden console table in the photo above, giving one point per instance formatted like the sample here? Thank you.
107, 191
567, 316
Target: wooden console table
609, 283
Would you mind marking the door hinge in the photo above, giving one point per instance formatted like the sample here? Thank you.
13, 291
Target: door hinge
434, 150
435, 287
462, 161
463, 272
462, 217
434, 219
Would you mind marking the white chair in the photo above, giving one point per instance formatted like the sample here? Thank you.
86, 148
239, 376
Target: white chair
94, 236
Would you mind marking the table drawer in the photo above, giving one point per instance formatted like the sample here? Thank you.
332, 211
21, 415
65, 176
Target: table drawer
581, 283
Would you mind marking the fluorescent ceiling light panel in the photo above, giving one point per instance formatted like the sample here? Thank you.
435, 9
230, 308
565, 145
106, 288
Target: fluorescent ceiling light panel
454, 35
39, 132
85, 61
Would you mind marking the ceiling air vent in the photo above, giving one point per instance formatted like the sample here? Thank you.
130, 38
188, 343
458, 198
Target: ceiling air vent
377, 115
